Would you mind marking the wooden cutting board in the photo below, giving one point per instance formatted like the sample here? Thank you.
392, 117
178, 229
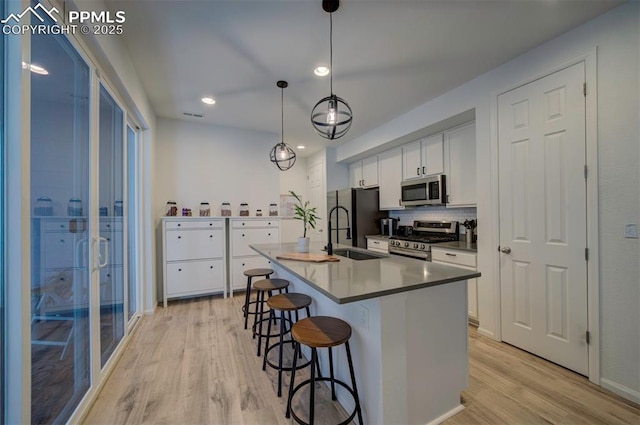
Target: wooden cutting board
306, 256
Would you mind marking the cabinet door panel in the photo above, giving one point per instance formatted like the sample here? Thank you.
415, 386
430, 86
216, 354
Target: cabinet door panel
194, 244
237, 279
58, 250
370, 171
433, 155
185, 278
242, 238
411, 161
461, 162
390, 177
355, 174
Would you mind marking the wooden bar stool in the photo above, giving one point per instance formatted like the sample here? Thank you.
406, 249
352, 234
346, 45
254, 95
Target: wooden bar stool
262, 287
251, 273
284, 303
322, 332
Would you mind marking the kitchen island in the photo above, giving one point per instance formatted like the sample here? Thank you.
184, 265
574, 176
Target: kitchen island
409, 321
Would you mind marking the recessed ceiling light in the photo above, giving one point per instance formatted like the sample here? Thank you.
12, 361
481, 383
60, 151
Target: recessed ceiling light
321, 71
300, 146
35, 69
208, 100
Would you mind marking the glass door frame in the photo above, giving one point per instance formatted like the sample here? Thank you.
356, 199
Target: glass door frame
134, 208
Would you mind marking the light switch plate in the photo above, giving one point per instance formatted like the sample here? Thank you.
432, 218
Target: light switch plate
631, 231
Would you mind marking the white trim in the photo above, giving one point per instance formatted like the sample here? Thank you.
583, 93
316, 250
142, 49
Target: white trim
18, 270
591, 151
447, 415
621, 390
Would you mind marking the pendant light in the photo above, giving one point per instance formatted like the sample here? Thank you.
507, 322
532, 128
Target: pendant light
332, 116
282, 155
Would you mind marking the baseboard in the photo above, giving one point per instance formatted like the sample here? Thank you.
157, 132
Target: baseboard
484, 332
621, 390
447, 415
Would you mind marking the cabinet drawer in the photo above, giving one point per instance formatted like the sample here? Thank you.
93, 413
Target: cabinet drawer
453, 257
197, 224
238, 265
243, 224
378, 245
56, 225
194, 244
242, 238
111, 225
191, 277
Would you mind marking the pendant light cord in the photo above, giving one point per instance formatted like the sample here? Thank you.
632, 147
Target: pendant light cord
331, 51
282, 113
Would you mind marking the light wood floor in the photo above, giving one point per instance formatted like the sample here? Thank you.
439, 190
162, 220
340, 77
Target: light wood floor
193, 363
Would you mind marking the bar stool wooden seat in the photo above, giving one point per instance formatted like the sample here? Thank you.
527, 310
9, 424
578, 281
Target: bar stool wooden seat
251, 273
284, 303
265, 286
322, 332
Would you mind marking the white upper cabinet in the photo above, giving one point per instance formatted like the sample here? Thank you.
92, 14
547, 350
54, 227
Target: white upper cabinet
390, 176
364, 173
460, 165
423, 157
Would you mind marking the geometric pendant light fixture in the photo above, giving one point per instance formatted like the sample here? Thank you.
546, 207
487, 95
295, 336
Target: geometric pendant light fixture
282, 155
331, 117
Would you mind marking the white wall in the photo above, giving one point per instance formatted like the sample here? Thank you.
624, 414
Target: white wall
293, 179
198, 162
616, 36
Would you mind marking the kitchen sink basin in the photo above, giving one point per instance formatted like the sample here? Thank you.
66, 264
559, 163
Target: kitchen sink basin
356, 255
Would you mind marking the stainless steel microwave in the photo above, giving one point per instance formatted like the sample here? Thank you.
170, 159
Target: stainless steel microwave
425, 191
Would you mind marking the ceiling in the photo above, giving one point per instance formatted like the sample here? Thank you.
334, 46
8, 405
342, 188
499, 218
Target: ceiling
389, 56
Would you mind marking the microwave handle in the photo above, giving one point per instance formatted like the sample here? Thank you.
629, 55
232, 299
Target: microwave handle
418, 171
423, 171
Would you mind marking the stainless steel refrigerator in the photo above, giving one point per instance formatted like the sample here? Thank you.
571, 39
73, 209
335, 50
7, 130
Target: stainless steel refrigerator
364, 215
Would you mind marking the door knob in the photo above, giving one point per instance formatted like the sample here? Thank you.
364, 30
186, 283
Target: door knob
505, 250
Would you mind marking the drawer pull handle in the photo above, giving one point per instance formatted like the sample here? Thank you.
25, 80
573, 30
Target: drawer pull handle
179, 225
268, 234
450, 255
108, 225
108, 275
62, 278
62, 225
179, 237
243, 223
179, 270
210, 224
210, 267
210, 236
243, 235
62, 240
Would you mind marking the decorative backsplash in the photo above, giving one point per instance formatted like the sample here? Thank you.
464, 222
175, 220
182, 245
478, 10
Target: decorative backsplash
408, 216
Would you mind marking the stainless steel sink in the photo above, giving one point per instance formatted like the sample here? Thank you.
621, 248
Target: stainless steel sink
356, 255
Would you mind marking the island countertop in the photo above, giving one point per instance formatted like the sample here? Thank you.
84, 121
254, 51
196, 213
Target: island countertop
350, 280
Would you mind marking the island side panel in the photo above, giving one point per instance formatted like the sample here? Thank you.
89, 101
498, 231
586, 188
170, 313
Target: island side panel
364, 319
426, 374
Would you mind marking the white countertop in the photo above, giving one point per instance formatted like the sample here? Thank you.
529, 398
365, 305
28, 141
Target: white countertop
349, 280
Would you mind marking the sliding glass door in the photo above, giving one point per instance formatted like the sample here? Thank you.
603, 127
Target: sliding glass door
112, 178
60, 224
132, 214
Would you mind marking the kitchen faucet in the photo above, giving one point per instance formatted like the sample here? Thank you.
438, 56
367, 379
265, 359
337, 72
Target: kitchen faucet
329, 244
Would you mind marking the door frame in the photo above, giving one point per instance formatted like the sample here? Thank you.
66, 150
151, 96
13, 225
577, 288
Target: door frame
591, 151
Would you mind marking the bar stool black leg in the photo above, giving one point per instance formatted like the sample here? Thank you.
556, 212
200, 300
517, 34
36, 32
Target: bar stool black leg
296, 351
255, 316
280, 353
312, 388
264, 360
333, 384
247, 298
353, 382
260, 322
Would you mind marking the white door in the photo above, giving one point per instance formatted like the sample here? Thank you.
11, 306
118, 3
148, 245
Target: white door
543, 270
317, 198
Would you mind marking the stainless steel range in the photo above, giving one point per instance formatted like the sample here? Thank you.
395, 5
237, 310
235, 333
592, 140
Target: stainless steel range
424, 234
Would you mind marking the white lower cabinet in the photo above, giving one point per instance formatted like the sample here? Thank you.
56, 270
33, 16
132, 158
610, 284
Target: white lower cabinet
464, 260
242, 233
378, 245
194, 256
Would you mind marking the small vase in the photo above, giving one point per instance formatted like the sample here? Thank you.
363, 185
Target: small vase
469, 237
303, 244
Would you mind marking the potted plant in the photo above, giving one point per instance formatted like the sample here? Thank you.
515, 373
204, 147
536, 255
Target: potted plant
308, 216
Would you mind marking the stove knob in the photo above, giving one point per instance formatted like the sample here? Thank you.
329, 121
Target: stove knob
406, 244
422, 246
415, 246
